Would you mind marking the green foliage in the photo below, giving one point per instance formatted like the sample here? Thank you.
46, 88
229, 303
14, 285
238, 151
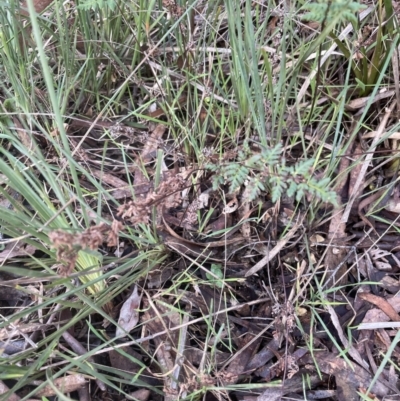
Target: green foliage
268, 169
237, 174
217, 275
369, 62
88, 4
326, 11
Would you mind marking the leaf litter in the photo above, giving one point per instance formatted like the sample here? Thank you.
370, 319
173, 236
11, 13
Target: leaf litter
230, 308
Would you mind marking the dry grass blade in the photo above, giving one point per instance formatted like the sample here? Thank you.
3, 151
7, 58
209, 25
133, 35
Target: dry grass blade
351, 349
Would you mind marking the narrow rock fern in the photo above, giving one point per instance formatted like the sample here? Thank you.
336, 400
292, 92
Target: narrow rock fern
267, 170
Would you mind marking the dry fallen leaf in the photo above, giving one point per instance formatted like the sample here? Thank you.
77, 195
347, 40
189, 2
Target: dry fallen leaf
129, 316
382, 304
349, 378
378, 256
65, 384
142, 395
12, 251
231, 206
336, 252
119, 360
271, 394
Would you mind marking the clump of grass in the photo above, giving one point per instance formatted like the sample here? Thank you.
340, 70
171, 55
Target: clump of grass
215, 81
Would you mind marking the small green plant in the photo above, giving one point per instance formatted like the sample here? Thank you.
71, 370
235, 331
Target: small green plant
217, 275
268, 169
324, 12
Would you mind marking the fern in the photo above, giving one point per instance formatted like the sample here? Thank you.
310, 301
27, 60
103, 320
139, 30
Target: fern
217, 181
325, 10
291, 191
318, 188
236, 174
254, 188
301, 168
273, 156
213, 167
268, 169
278, 187
254, 161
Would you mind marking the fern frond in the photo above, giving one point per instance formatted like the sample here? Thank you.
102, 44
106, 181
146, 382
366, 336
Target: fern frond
269, 169
272, 156
217, 181
242, 155
323, 11
320, 190
212, 167
291, 191
301, 190
278, 187
236, 174
301, 168
254, 161
253, 189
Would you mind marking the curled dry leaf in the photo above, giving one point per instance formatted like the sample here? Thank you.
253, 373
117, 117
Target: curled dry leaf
335, 255
231, 206
393, 204
243, 211
382, 304
378, 256
349, 379
149, 151
271, 394
361, 102
375, 318
129, 316
248, 347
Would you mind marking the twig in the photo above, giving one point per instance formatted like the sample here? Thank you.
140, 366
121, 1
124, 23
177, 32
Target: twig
79, 349
179, 355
